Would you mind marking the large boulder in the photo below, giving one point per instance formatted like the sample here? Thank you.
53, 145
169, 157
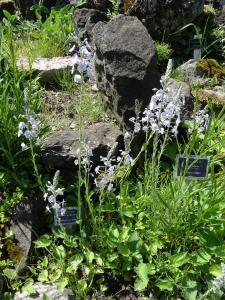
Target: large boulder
163, 17
200, 73
125, 66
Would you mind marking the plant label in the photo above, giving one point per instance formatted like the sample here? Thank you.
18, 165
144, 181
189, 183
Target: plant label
192, 167
65, 216
195, 44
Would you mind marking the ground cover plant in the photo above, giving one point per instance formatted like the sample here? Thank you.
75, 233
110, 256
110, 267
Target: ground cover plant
141, 232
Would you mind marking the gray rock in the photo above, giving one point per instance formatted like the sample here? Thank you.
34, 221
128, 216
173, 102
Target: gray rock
48, 69
191, 74
28, 221
6, 5
163, 17
48, 289
87, 18
60, 150
216, 95
22, 229
125, 66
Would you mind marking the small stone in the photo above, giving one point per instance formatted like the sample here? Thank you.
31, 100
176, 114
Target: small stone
73, 125
94, 88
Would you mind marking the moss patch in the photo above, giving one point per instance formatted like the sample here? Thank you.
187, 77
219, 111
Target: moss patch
211, 68
128, 4
15, 253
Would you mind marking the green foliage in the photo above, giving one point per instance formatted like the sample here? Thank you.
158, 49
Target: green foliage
163, 50
48, 38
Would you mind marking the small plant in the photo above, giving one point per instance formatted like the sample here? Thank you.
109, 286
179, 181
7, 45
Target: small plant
164, 51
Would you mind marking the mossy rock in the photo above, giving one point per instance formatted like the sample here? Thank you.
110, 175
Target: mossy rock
210, 68
15, 253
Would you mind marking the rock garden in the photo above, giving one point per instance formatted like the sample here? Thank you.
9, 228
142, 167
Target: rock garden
112, 149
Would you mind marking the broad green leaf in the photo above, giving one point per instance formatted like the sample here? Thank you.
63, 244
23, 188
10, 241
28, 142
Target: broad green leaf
201, 257
190, 290
215, 269
179, 259
90, 256
128, 211
55, 276
142, 271
59, 252
165, 284
62, 283
43, 276
133, 241
10, 273
140, 285
43, 242
29, 286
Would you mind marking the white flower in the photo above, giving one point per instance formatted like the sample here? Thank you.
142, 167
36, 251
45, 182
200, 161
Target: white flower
77, 79
200, 121
74, 264
24, 146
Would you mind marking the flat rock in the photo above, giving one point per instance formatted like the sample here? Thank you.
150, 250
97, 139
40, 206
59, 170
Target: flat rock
48, 68
60, 150
48, 289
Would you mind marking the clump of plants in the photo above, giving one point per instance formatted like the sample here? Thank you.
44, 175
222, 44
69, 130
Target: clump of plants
139, 226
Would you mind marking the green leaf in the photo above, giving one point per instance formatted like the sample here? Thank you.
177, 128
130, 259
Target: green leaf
59, 252
165, 284
142, 271
29, 286
140, 285
10, 273
43, 242
201, 257
45, 297
62, 284
128, 211
55, 276
133, 241
90, 256
190, 290
179, 259
43, 276
215, 269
